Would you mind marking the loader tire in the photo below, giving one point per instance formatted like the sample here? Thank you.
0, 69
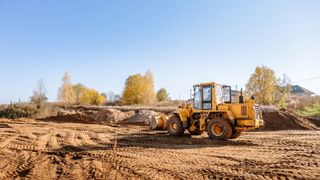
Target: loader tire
219, 129
174, 126
236, 134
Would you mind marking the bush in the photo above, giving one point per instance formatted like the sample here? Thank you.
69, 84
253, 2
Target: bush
18, 111
300, 103
311, 111
162, 95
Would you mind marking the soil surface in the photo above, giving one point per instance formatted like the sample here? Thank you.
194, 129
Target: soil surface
46, 150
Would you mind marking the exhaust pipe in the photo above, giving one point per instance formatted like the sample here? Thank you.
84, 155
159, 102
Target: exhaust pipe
241, 98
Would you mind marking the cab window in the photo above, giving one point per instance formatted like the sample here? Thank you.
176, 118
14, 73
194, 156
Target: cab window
207, 98
219, 95
227, 94
197, 98
207, 94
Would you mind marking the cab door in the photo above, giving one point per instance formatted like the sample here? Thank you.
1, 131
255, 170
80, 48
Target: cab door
207, 98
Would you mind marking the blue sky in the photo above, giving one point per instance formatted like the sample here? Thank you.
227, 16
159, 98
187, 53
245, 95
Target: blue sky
182, 42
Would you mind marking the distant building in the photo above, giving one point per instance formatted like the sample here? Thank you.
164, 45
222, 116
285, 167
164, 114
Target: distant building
297, 90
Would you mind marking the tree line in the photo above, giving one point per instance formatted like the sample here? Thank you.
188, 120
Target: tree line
138, 89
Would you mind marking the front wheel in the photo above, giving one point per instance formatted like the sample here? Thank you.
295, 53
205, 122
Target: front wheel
219, 129
174, 126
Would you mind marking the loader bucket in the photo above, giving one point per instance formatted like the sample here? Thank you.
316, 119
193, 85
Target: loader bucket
158, 122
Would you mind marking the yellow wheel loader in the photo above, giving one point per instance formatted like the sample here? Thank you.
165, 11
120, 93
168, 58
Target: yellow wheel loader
215, 111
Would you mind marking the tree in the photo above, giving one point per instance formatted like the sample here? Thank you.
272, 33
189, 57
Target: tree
112, 97
133, 90
148, 93
92, 97
79, 90
162, 95
66, 93
39, 94
262, 84
139, 89
283, 90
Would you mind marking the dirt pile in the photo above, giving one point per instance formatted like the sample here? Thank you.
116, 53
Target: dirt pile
105, 116
315, 121
63, 112
142, 117
71, 118
111, 116
282, 120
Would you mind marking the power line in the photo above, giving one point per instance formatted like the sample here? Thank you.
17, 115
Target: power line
309, 79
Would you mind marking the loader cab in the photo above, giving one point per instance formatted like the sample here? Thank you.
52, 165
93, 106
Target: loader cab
208, 95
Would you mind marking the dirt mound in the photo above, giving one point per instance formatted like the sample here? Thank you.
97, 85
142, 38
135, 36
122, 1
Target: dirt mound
283, 120
110, 116
315, 121
63, 112
105, 116
71, 118
142, 117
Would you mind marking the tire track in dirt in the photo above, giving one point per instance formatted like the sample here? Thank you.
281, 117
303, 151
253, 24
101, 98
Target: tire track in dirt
75, 151
43, 141
71, 138
53, 142
7, 141
37, 172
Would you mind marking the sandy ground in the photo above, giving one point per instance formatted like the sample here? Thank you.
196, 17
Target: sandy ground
44, 150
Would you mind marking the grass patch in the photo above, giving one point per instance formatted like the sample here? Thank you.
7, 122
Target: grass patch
311, 111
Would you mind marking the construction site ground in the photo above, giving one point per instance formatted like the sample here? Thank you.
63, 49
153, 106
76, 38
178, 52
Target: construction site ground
32, 149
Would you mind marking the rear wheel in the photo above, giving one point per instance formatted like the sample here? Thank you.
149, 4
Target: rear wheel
174, 126
219, 129
236, 134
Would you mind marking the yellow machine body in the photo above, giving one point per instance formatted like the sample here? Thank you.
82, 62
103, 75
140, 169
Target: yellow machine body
214, 101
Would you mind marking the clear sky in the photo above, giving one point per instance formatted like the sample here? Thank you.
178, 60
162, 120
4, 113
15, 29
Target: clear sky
182, 42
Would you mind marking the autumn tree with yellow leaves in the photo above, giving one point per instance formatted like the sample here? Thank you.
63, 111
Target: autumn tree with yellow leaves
92, 97
263, 85
78, 93
87, 96
139, 89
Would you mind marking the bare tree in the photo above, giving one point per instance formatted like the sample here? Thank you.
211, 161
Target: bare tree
39, 94
111, 96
